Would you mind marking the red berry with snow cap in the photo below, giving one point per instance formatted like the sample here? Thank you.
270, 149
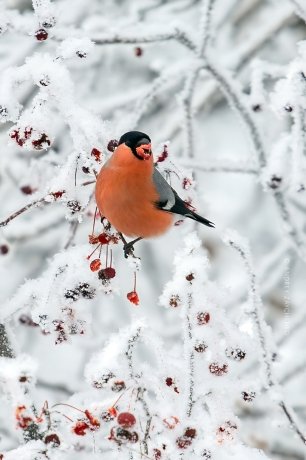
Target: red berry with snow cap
126, 419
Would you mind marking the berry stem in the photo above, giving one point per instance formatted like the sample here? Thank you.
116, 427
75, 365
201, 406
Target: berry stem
88, 257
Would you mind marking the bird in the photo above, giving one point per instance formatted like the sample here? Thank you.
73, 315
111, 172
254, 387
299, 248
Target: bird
134, 197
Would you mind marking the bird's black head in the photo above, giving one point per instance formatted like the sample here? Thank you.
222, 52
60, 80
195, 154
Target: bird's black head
139, 143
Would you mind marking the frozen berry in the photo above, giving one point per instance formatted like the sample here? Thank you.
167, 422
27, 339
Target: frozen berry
107, 273
96, 154
133, 297
206, 454
235, 353
190, 277
52, 439
72, 294
74, 206
126, 419
118, 386
112, 145
169, 381
200, 346
157, 454
190, 433
4, 249
42, 143
218, 369
203, 317
174, 301
138, 51
80, 428
95, 265
41, 35
86, 291
183, 442
103, 238
26, 189
162, 157
248, 396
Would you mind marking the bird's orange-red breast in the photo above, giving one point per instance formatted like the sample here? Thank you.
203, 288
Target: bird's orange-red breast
126, 195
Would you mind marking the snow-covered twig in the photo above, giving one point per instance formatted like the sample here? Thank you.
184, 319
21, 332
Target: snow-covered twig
262, 331
177, 34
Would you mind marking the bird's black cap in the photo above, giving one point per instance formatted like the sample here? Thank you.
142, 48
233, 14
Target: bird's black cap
133, 137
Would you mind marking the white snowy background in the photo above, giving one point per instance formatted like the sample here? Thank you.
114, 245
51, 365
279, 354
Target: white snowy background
212, 362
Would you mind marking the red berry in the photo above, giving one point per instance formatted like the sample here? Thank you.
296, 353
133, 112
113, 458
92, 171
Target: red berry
58, 194
169, 381
138, 51
80, 428
190, 433
126, 419
183, 442
157, 454
52, 439
94, 422
133, 297
190, 277
203, 317
163, 155
103, 238
112, 145
26, 189
118, 386
174, 301
4, 249
107, 273
41, 35
95, 265
218, 369
96, 153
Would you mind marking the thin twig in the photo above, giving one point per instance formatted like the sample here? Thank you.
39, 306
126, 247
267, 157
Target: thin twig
261, 327
22, 210
177, 34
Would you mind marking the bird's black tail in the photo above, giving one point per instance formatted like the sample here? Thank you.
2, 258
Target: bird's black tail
202, 220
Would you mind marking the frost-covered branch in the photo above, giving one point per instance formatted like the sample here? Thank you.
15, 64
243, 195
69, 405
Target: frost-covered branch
261, 328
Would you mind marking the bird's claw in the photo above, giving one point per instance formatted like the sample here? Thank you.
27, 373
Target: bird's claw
128, 250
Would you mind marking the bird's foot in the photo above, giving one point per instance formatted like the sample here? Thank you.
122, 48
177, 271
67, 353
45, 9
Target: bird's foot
128, 249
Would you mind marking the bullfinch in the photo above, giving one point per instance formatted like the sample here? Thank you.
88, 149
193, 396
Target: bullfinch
133, 195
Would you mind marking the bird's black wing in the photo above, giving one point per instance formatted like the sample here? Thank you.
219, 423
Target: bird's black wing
170, 201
